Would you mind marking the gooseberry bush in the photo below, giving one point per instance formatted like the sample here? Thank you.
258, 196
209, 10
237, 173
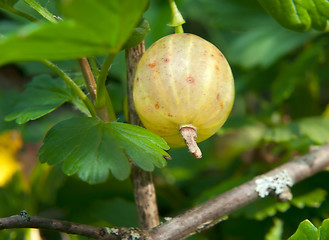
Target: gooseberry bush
96, 110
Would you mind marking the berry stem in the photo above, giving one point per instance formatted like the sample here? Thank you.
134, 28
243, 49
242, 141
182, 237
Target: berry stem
189, 135
177, 19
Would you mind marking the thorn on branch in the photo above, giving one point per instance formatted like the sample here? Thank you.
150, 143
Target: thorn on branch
285, 196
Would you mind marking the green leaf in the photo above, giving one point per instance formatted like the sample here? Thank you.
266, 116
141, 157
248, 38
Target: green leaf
91, 28
324, 230
305, 231
42, 96
90, 148
299, 15
111, 20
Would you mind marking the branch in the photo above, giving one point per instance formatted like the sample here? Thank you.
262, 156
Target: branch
144, 190
201, 217
23, 220
133, 55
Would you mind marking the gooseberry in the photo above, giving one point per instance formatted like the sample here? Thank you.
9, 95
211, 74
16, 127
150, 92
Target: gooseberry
183, 90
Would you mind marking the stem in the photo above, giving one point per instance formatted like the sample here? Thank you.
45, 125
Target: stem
103, 99
72, 84
41, 10
179, 29
144, 190
177, 19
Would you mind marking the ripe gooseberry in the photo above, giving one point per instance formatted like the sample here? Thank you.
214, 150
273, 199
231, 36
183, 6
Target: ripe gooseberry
183, 90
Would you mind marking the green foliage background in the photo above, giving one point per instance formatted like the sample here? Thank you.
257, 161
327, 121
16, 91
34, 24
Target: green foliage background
281, 110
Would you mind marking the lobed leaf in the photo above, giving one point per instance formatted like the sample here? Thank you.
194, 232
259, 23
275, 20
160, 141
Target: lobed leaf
305, 231
90, 148
42, 96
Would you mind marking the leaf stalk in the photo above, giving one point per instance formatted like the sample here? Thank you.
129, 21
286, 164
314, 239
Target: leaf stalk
103, 98
41, 10
72, 84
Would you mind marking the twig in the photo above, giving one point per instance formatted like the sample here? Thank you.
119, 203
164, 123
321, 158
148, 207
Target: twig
101, 233
144, 191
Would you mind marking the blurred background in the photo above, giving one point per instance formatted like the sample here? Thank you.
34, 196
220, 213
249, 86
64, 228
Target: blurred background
280, 112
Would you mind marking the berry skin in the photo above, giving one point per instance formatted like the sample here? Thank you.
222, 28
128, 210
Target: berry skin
183, 82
